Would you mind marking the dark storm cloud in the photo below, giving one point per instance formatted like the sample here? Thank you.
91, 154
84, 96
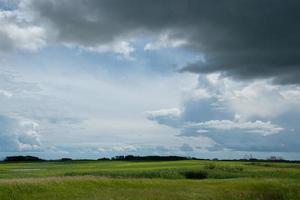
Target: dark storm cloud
241, 38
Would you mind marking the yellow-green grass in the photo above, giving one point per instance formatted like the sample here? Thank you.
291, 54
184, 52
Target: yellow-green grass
149, 180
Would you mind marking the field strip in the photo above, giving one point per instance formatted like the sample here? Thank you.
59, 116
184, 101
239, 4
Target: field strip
49, 179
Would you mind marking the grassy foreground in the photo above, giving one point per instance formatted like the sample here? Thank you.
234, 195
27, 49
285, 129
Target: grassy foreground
149, 180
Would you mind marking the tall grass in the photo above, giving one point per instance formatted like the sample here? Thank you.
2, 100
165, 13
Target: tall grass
149, 180
88, 188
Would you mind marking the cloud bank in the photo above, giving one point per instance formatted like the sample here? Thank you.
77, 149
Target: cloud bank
240, 39
237, 116
238, 49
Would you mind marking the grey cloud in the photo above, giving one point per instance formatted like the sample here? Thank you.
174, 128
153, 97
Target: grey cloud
16, 33
279, 136
18, 135
285, 142
186, 148
203, 110
8, 4
5, 43
240, 38
8, 142
170, 117
242, 140
243, 136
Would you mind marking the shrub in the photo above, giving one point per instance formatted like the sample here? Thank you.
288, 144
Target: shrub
202, 174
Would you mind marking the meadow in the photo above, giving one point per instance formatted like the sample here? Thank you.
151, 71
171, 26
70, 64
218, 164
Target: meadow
122, 180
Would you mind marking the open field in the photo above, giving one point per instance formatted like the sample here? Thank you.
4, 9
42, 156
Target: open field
190, 179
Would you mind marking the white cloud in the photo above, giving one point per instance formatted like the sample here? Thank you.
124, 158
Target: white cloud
291, 94
165, 40
123, 148
84, 108
172, 113
170, 117
19, 134
6, 93
249, 99
238, 115
254, 100
124, 48
18, 34
198, 94
260, 127
19, 31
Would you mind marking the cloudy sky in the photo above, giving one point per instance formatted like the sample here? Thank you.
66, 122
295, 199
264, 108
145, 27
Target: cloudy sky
95, 78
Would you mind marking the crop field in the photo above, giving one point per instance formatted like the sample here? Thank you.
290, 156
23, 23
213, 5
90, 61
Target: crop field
121, 180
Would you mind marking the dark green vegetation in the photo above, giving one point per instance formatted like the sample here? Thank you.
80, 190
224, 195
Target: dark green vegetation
188, 179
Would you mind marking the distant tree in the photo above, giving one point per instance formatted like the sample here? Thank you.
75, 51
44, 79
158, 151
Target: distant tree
103, 159
66, 159
150, 158
22, 158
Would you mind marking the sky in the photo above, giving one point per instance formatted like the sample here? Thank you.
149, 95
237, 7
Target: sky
100, 78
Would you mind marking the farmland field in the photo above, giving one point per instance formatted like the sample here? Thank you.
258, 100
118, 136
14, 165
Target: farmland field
191, 179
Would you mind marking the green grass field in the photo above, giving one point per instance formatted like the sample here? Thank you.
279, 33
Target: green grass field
109, 180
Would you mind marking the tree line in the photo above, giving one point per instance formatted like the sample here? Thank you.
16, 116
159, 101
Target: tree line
145, 158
